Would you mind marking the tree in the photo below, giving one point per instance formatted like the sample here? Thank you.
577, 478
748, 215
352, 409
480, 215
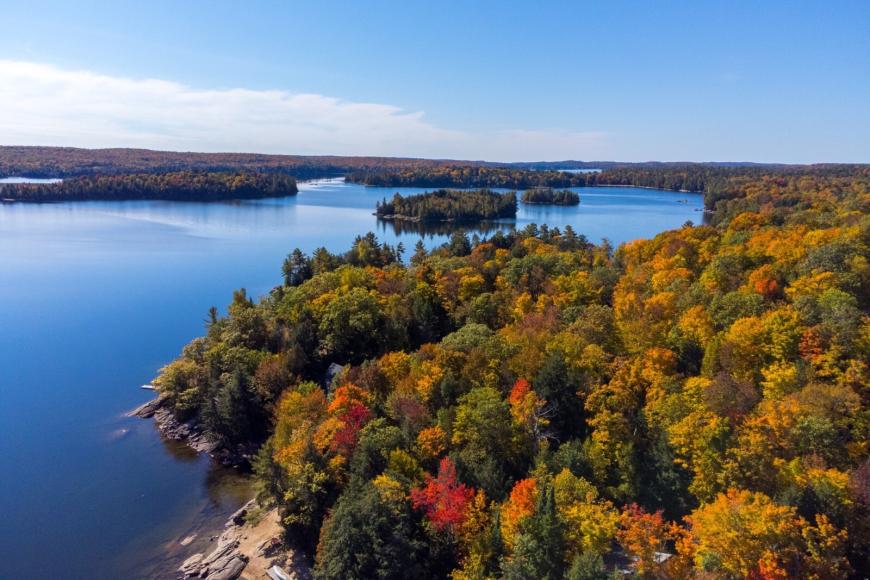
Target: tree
539, 549
459, 245
587, 566
419, 253
519, 506
643, 536
742, 531
348, 326
323, 261
296, 268
555, 383
590, 522
443, 498
230, 415
483, 432
529, 411
365, 537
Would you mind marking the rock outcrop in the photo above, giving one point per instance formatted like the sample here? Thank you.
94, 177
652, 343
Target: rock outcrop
191, 433
147, 410
247, 550
225, 562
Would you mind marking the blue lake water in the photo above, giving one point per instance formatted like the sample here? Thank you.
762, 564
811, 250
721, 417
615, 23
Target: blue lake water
28, 180
96, 296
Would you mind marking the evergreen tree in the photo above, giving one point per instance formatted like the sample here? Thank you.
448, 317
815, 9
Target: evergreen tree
419, 253
587, 566
557, 385
296, 268
539, 549
364, 538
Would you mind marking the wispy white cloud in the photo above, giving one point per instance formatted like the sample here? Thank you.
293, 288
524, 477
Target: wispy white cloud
44, 105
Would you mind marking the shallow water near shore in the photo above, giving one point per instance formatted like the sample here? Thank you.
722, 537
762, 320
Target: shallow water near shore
96, 296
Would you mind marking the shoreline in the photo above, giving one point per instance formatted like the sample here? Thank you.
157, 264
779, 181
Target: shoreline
251, 543
416, 220
548, 203
251, 540
587, 186
191, 434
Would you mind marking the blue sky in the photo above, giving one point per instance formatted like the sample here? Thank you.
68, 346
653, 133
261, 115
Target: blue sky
759, 81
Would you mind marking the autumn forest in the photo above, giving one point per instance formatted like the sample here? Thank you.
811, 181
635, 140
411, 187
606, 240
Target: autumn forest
531, 405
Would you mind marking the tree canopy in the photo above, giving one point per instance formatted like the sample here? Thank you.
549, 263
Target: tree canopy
449, 205
550, 196
178, 186
532, 405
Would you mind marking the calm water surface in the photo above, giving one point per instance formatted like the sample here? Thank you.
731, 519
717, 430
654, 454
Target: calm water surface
96, 296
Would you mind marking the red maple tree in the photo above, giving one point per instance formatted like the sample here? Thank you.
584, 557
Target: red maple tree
443, 498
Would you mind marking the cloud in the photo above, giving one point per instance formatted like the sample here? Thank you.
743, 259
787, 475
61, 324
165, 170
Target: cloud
44, 105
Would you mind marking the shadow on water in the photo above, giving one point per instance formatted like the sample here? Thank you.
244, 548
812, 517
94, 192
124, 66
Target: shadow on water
160, 553
179, 450
438, 229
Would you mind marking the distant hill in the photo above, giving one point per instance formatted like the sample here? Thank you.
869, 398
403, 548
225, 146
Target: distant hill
72, 161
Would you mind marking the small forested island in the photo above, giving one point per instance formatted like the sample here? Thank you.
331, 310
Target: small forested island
449, 205
531, 405
176, 186
550, 196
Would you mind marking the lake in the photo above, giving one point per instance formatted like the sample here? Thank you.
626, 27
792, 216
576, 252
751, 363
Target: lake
96, 296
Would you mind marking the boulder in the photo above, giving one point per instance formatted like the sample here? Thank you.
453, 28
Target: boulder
232, 570
147, 410
190, 567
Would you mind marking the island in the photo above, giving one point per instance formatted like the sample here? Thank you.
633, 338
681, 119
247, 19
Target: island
717, 181
449, 205
550, 196
695, 403
175, 186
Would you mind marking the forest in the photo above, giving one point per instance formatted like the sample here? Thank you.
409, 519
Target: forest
550, 196
531, 405
468, 176
177, 186
715, 181
72, 162
449, 205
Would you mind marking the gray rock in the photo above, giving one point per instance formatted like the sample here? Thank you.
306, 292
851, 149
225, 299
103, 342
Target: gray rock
147, 410
232, 570
238, 517
190, 567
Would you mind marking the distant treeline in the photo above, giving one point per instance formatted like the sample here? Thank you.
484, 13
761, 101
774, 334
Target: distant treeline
550, 196
178, 186
449, 205
725, 183
468, 176
73, 162
716, 181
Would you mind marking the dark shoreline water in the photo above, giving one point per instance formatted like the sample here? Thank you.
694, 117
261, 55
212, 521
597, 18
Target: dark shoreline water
96, 296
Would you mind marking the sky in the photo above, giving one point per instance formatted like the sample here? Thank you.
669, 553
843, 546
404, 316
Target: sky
773, 81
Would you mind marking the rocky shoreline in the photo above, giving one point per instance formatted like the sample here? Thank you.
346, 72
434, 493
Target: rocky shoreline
247, 550
191, 433
244, 549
